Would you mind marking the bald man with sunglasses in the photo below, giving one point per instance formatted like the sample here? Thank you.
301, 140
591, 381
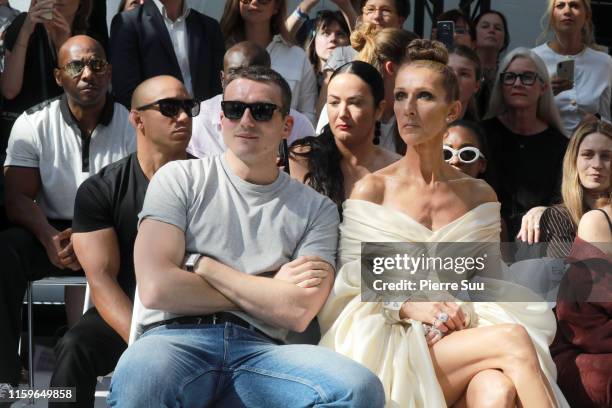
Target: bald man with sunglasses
52, 149
260, 249
104, 229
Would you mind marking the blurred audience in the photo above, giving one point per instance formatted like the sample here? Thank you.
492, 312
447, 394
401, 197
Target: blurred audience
466, 65
263, 22
491, 39
52, 149
463, 32
300, 18
526, 142
166, 37
590, 88
329, 31
207, 138
127, 5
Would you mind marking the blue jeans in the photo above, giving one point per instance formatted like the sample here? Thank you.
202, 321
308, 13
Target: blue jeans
231, 366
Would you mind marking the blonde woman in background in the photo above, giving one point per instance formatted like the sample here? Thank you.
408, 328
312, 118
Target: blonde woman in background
590, 89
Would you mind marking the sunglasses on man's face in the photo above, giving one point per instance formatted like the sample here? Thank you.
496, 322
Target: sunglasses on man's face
76, 67
466, 155
261, 111
171, 107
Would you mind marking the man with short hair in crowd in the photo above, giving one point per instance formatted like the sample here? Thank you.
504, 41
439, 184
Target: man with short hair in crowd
213, 326
104, 229
207, 139
53, 148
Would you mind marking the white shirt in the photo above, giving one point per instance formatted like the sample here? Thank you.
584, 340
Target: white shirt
292, 63
592, 84
47, 137
387, 130
206, 137
180, 40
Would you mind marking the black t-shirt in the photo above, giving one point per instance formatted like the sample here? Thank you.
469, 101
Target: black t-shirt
525, 171
113, 198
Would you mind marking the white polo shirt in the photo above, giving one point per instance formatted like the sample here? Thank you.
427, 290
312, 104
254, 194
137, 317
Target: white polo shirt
206, 137
48, 138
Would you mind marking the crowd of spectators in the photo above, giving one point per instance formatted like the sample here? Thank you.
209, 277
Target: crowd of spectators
385, 136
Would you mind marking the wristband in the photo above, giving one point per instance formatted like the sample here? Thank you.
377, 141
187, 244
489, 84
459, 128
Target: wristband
300, 14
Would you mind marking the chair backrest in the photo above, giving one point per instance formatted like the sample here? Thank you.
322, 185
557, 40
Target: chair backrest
134, 328
88, 302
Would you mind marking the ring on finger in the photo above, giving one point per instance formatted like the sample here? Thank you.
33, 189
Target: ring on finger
442, 317
537, 226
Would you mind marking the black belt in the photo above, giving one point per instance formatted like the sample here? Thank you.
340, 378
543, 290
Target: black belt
215, 318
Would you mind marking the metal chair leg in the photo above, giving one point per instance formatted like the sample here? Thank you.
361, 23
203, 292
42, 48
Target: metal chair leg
30, 339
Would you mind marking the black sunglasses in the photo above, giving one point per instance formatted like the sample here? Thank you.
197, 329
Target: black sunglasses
76, 67
170, 107
261, 111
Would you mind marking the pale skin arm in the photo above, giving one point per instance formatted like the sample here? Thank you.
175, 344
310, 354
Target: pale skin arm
98, 253
594, 228
22, 185
291, 307
162, 284
530, 225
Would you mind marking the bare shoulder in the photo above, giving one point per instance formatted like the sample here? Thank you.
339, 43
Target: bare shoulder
370, 188
594, 226
475, 191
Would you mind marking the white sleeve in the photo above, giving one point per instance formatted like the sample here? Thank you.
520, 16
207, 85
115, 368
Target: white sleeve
302, 127
23, 146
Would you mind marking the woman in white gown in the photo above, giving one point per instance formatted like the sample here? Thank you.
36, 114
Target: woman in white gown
476, 354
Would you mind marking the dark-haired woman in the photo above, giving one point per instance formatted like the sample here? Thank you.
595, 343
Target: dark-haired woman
347, 149
434, 354
330, 31
466, 65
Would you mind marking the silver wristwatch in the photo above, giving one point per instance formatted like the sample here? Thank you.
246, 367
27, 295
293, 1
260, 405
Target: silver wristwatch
191, 261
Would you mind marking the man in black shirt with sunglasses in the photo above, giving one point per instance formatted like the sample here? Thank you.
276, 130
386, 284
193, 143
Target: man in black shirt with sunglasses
104, 229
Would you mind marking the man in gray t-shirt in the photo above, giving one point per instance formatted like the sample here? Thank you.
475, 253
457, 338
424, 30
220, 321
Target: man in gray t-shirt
260, 249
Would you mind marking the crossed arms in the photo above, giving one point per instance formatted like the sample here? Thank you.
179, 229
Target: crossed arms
290, 300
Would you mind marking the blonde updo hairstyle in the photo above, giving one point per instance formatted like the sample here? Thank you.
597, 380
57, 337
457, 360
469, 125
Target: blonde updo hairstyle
377, 46
433, 55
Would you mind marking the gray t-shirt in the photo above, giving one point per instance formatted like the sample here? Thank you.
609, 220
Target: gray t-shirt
252, 228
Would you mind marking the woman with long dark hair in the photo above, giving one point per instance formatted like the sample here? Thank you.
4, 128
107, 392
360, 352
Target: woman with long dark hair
347, 149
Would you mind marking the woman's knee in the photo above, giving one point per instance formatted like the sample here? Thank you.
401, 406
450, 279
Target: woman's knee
517, 347
491, 388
